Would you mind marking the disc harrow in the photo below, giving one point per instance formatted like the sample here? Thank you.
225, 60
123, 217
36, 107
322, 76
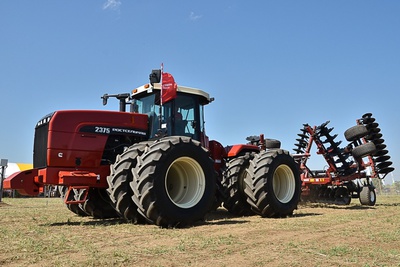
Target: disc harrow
349, 169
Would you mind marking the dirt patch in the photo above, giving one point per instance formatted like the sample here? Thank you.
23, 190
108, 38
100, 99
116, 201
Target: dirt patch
2, 204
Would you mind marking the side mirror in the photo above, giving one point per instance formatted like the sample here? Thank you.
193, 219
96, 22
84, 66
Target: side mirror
105, 98
134, 107
155, 76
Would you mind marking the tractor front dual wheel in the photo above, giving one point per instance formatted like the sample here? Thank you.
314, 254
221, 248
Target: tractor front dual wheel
273, 184
97, 204
119, 180
174, 182
73, 196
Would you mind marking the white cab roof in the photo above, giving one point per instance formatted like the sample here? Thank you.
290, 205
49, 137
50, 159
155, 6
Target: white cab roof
183, 89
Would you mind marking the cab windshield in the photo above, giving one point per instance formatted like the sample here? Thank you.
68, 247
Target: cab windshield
181, 116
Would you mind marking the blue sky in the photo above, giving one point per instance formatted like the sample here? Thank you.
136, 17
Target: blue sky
271, 65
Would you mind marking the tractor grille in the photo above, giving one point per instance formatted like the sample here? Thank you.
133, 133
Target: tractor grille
40, 142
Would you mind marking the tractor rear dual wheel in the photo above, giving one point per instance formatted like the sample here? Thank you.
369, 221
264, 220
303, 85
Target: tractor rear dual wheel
233, 186
97, 203
174, 182
273, 184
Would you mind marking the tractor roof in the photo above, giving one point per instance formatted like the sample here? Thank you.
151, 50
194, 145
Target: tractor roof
188, 90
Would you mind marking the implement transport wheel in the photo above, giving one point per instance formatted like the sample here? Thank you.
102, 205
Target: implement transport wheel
364, 150
367, 196
119, 179
233, 186
174, 182
273, 184
355, 132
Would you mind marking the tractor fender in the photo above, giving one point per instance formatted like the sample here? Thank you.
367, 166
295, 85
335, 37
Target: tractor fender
241, 149
218, 154
23, 182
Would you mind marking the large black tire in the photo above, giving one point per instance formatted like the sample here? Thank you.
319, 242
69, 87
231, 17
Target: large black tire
233, 186
273, 184
272, 143
367, 196
355, 132
73, 195
364, 150
174, 182
97, 204
119, 180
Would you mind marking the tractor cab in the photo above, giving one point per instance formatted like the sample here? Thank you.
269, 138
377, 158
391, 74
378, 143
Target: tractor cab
181, 116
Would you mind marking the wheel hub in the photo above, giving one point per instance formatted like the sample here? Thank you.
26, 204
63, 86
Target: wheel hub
185, 182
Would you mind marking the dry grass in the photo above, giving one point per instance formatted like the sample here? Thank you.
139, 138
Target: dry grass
42, 232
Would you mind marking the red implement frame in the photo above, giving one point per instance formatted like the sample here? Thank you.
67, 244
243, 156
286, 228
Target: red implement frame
331, 175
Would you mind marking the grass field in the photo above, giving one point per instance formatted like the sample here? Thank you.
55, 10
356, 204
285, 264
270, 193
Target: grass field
43, 232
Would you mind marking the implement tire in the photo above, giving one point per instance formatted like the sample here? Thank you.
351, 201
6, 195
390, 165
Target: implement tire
174, 182
367, 196
364, 150
233, 186
119, 189
355, 132
273, 184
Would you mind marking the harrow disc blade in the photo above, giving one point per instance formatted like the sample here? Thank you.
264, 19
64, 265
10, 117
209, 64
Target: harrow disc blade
378, 141
381, 152
382, 158
302, 141
374, 130
373, 136
368, 120
367, 115
384, 165
372, 125
386, 170
303, 136
327, 131
301, 146
380, 146
329, 138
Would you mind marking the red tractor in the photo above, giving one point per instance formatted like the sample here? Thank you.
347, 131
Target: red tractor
155, 163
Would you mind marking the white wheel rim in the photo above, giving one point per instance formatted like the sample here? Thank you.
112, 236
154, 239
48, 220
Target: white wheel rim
185, 182
284, 183
372, 196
